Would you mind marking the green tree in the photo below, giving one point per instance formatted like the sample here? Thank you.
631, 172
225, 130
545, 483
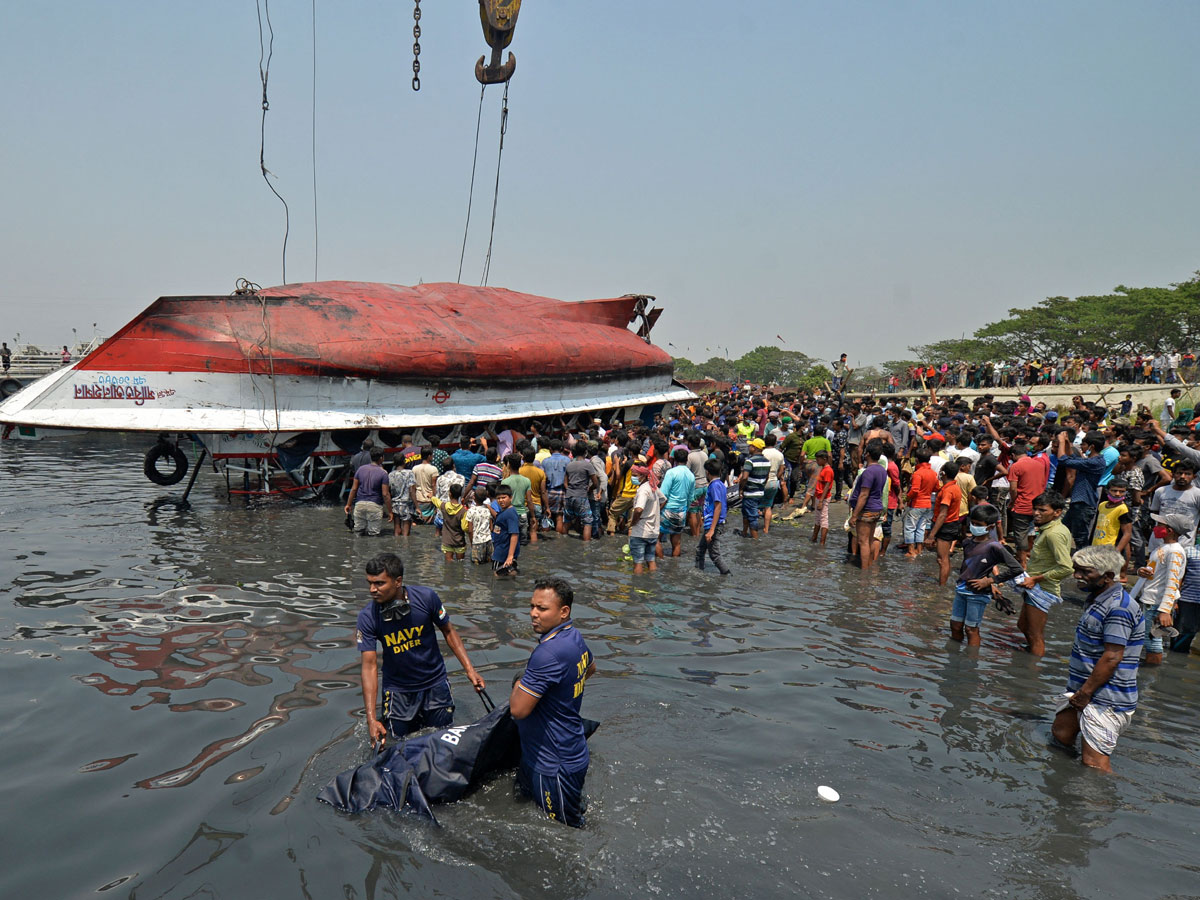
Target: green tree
685, 369
815, 377
953, 349
763, 365
899, 367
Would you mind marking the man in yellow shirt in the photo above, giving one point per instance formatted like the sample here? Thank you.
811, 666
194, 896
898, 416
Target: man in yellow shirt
537, 491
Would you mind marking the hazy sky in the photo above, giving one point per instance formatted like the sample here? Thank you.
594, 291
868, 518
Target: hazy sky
855, 176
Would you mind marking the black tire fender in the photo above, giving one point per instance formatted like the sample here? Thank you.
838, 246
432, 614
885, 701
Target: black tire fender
157, 452
8, 387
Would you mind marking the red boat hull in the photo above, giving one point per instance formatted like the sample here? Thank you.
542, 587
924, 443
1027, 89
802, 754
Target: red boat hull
442, 332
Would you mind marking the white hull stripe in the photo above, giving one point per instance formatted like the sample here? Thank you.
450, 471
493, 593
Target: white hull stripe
205, 402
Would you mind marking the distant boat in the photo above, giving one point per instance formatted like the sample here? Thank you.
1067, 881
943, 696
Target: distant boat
291, 379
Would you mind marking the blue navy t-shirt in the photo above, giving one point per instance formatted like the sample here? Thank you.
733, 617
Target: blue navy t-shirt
505, 524
552, 738
410, 657
715, 494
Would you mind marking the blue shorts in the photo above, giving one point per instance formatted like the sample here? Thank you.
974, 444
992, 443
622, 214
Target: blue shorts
642, 549
559, 796
579, 508
406, 711
1040, 598
750, 511
697, 504
768, 497
969, 606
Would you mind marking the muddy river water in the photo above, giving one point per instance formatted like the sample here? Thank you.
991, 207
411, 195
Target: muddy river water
179, 683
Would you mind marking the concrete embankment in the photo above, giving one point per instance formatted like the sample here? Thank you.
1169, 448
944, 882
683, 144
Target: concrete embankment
1058, 396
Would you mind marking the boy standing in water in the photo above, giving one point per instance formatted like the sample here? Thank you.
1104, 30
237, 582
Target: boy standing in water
714, 518
945, 530
819, 496
981, 554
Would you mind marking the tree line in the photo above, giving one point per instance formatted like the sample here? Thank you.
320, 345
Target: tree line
1132, 320
762, 365
1129, 320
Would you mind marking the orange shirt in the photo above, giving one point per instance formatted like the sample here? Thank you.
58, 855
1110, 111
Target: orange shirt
949, 495
921, 488
824, 486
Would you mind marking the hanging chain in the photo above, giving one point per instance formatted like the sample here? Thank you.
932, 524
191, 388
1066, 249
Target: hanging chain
416, 82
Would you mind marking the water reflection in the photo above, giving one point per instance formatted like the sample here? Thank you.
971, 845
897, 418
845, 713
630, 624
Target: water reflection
208, 652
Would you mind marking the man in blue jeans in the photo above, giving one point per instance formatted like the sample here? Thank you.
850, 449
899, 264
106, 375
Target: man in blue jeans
546, 701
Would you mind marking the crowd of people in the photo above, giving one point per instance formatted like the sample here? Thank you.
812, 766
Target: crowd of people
1079, 368
1028, 495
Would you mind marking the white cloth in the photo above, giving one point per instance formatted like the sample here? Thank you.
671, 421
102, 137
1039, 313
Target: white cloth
1100, 725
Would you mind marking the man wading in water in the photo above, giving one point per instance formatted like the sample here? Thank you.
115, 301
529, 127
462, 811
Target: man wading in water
545, 703
416, 691
1102, 689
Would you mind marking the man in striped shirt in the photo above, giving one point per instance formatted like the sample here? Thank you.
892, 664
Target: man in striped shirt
1102, 689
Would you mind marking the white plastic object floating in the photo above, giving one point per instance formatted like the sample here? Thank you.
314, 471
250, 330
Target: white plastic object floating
825, 792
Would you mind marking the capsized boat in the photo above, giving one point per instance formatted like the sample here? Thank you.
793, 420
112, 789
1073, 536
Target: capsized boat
291, 379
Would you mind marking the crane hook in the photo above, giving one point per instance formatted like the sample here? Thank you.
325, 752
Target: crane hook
499, 18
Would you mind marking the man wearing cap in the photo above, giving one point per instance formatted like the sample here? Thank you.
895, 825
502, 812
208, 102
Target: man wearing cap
756, 470
1163, 576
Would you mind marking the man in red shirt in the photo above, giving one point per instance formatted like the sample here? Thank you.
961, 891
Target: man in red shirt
945, 529
819, 495
919, 515
1027, 480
